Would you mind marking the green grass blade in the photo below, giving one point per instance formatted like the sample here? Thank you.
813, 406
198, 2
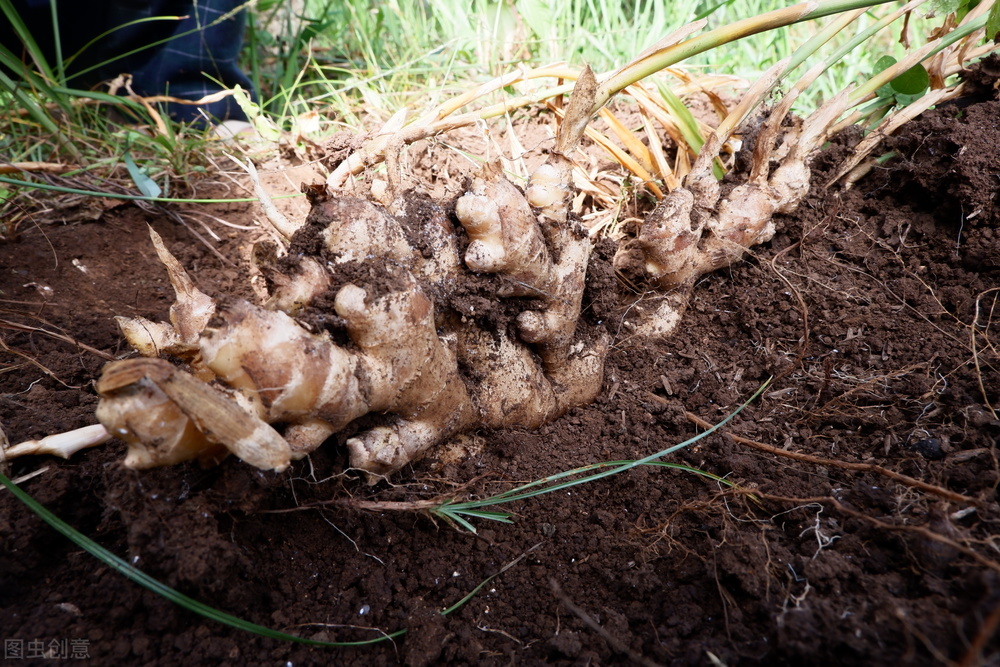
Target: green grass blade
138, 576
107, 33
114, 195
708, 11
471, 594
545, 485
161, 42
502, 517
60, 70
77, 93
148, 582
25, 99
36, 111
515, 495
457, 518
28, 40
454, 511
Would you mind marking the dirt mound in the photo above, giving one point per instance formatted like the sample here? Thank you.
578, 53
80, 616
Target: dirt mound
874, 309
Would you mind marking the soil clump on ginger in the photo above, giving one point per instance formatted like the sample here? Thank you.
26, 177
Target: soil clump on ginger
875, 309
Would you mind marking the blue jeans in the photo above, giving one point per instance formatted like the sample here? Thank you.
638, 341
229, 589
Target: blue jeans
199, 57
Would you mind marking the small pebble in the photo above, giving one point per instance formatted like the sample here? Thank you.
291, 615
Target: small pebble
929, 448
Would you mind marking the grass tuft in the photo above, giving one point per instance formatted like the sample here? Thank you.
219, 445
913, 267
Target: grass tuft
459, 513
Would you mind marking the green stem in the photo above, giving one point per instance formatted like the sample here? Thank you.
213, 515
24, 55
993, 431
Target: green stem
868, 32
60, 65
824, 35
661, 58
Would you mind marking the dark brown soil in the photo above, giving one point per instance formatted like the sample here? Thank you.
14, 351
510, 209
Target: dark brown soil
874, 308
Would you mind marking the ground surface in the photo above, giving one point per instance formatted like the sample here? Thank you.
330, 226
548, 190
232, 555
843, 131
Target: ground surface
876, 311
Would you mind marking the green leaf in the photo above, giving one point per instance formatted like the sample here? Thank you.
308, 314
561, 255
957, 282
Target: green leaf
913, 81
882, 64
264, 126
687, 124
943, 7
146, 185
993, 22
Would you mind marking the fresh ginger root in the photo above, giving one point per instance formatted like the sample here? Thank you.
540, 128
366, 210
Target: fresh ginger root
436, 372
693, 231
508, 241
432, 369
396, 344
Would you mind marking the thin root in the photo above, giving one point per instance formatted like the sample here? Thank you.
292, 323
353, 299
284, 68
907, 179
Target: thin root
859, 467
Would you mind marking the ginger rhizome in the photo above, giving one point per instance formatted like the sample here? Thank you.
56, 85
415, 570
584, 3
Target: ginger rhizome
695, 230
402, 349
403, 356
358, 314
